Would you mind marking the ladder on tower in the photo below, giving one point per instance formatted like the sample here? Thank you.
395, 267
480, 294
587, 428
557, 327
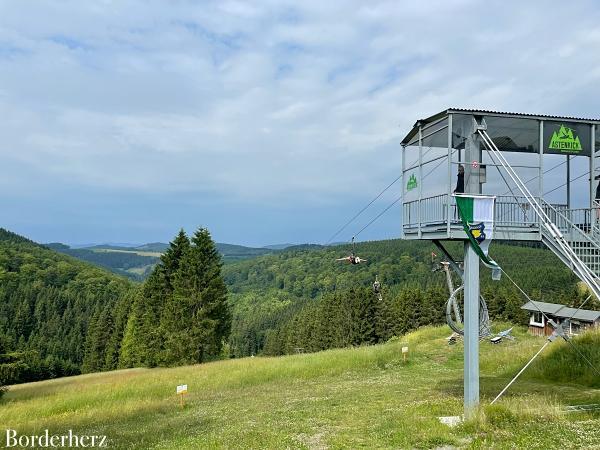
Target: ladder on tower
578, 249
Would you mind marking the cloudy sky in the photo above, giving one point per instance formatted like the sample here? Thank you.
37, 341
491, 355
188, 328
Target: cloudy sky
266, 122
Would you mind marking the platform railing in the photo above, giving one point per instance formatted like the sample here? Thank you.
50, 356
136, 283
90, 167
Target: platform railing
511, 212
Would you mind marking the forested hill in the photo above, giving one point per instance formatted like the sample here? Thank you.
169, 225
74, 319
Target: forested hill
60, 316
47, 302
300, 298
137, 263
65, 316
311, 271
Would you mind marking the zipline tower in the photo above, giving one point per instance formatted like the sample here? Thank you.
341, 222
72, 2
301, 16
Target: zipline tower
527, 162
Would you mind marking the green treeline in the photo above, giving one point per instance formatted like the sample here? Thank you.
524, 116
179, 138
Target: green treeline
59, 316
47, 301
356, 317
301, 298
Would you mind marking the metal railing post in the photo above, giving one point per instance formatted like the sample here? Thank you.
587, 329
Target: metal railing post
449, 198
420, 178
541, 172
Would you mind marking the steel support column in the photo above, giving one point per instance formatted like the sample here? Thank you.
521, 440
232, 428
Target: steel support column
471, 283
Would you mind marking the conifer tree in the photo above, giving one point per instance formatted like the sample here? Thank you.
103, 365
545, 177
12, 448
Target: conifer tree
196, 317
99, 333
143, 341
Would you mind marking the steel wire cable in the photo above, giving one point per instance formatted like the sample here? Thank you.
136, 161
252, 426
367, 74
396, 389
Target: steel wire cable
362, 210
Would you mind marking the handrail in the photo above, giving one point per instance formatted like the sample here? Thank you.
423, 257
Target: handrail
549, 228
510, 211
572, 226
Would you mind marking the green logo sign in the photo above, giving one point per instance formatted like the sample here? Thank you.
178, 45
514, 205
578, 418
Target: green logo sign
412, 183
565, 140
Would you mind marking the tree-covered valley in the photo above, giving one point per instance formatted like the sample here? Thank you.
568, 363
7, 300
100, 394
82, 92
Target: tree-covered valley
137, 262
61, 316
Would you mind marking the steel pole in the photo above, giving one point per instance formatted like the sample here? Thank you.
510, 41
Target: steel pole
471, 283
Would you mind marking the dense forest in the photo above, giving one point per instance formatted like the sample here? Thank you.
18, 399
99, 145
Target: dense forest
47, 301
296, 298
61, 316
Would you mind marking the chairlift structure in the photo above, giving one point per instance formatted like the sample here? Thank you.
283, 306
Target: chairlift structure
541, 169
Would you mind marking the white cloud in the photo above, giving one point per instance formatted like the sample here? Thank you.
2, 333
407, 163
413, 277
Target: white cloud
272, 100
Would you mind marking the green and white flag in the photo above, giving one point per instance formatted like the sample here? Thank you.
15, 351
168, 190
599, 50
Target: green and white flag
477, 215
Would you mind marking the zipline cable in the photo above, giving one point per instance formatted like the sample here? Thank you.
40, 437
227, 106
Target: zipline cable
378, 196
564, 184
378, 216
362, 210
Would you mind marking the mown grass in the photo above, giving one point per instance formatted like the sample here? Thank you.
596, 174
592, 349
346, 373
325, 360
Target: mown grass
564, 362
363, 397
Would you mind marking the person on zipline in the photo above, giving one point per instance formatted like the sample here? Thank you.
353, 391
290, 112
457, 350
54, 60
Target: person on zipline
352, 259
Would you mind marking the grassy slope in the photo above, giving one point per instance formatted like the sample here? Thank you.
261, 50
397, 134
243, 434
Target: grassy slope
361, 397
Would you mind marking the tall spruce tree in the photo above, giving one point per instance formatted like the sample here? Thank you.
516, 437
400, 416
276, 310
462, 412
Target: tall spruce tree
100, 330
196, 317
144, 338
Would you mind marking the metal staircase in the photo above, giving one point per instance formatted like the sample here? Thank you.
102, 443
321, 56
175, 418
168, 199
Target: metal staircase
584, 238
578, 248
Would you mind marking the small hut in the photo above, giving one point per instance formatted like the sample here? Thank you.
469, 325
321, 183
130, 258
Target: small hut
579, 320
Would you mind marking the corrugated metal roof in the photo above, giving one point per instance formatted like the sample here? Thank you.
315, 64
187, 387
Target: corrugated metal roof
548, 308
582, 314
562, 311
528, 115
437, 116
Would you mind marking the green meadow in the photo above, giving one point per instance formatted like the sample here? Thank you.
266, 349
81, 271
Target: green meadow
365, 397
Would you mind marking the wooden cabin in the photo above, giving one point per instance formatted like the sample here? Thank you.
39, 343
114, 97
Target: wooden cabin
579, 319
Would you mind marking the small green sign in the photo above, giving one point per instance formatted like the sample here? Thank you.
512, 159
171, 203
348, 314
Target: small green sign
565, 140
412, 183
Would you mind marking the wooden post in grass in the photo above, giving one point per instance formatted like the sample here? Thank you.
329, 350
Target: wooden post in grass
404, 353
181, 391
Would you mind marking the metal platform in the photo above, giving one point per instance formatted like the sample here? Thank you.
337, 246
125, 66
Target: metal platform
437, 218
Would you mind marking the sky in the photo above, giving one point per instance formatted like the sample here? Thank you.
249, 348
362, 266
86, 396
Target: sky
266, 122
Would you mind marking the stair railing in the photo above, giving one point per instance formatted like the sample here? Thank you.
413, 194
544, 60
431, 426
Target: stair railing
548, 227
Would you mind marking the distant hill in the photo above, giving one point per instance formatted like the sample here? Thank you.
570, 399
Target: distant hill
123, 261
153, 247
232, 252
278, 246
137, 262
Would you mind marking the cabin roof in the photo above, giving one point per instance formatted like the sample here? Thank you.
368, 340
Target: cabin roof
562, 311
485, 112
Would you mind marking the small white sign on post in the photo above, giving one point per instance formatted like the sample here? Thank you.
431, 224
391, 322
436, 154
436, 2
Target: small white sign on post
181, 391
404, 353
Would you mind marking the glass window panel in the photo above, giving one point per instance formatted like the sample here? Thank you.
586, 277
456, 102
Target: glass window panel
514, 134
508, 133
461, 127
438, 139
